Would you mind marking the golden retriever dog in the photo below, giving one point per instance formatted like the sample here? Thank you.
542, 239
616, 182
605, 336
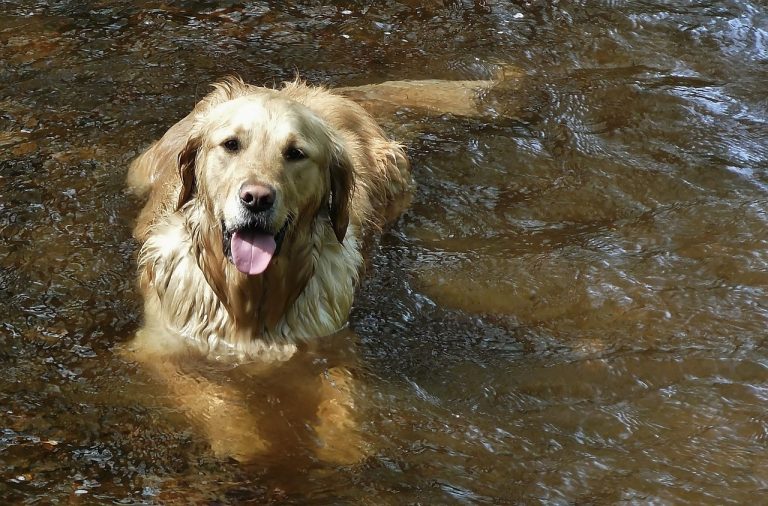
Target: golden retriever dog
258, 206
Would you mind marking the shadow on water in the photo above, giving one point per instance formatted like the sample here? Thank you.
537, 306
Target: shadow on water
573, 310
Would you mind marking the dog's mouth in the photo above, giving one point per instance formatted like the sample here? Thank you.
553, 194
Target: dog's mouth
251, 248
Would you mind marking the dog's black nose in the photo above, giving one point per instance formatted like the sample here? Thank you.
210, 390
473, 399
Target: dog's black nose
257, 197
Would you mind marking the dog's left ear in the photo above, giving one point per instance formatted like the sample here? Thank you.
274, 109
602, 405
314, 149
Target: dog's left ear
186, 168
342, 185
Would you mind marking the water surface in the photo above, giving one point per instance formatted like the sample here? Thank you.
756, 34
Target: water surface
574, 308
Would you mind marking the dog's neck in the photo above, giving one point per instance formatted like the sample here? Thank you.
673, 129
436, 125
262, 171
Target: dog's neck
258, 305
254, 303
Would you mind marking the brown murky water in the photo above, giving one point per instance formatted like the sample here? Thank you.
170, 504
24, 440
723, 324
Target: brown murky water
573, 310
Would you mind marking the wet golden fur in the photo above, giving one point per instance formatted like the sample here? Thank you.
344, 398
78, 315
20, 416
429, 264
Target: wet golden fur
198, 305
336, 200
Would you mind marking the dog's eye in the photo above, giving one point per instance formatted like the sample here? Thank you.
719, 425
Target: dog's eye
293, 154
232, 145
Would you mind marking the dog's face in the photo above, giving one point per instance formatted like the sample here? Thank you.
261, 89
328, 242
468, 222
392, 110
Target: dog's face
259, 165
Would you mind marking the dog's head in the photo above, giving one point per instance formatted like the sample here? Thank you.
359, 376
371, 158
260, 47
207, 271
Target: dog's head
260, 164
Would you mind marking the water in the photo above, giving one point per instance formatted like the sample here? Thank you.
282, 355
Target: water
573, 309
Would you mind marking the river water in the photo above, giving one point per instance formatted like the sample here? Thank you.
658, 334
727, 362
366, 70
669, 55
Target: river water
573, 310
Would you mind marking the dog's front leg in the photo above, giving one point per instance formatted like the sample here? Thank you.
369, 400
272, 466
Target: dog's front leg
340, 439
217, 409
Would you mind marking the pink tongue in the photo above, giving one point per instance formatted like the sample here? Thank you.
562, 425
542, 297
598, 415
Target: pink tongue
252, 251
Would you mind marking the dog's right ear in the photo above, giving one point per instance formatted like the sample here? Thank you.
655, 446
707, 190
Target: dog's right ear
186, 168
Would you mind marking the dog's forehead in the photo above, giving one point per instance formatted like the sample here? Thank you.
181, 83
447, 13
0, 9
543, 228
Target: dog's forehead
276, 115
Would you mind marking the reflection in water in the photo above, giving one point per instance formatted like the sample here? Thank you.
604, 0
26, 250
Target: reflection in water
573, 310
